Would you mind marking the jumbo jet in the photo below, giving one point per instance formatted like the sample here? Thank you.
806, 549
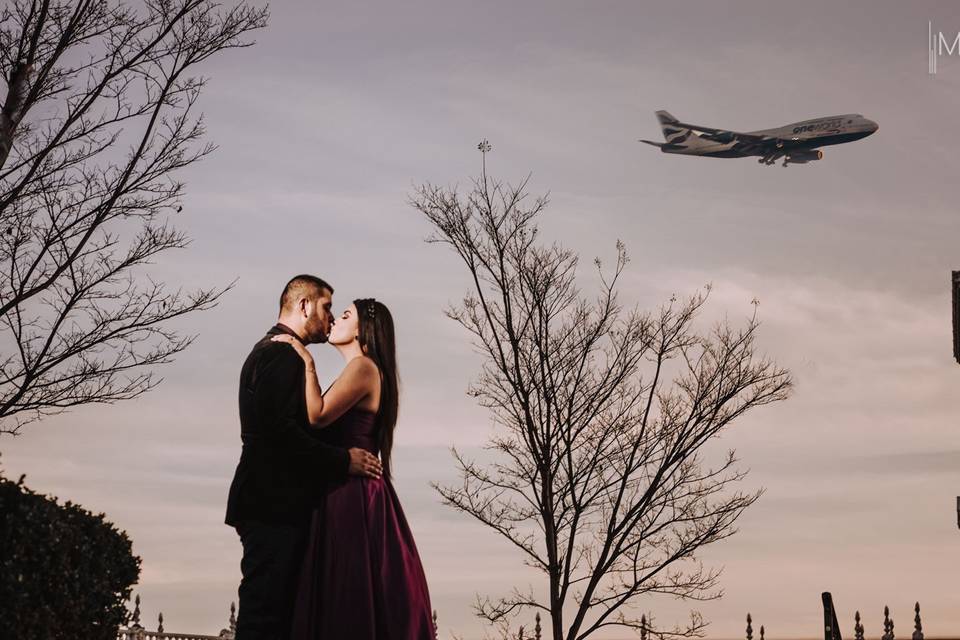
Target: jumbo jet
796, 143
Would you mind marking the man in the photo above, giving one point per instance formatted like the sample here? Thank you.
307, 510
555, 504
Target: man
282, 466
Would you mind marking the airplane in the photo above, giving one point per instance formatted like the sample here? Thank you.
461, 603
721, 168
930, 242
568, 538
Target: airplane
796, 143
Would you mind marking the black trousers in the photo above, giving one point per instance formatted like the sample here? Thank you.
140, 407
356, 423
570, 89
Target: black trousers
272, 554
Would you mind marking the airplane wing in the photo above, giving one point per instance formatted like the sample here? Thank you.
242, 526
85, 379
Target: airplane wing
744, 141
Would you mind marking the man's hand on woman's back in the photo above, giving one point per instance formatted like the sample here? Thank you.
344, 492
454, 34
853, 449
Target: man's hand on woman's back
364, 463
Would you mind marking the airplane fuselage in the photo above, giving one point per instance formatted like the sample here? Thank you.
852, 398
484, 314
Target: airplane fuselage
796, 143
807, 134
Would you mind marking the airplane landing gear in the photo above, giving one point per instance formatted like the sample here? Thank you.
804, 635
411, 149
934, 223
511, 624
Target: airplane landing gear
771, 159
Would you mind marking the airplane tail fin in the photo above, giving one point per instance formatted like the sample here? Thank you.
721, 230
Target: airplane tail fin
677, 136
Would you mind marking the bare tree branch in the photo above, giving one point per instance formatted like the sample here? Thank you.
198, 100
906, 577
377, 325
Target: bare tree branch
99, 118
602, 417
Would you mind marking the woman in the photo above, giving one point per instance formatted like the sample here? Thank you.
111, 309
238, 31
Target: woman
362, 578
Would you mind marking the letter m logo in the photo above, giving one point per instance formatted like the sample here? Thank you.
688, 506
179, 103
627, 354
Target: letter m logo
942, 42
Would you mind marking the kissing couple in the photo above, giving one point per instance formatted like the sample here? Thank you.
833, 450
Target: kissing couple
327, 553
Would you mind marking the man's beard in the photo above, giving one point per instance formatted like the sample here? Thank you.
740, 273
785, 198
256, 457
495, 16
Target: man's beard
316, 335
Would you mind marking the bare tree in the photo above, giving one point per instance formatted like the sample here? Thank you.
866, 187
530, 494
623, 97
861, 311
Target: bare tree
602, 416
98, 119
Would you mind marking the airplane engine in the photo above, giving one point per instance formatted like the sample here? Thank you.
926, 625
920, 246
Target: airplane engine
799, 157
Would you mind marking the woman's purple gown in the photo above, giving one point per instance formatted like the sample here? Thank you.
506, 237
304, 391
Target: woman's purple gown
361, 578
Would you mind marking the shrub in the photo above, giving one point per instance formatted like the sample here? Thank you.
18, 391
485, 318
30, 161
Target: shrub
64, 572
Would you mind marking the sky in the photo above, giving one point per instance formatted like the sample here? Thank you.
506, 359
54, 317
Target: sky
326, 126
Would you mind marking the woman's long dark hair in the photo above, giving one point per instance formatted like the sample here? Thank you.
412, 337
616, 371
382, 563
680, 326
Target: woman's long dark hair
375, 328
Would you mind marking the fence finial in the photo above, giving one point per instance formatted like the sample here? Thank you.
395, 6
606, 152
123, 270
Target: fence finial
136, 611
749, 627
761, 632
917, 627
233, 617
643, 627
857, 628
887, 624
434, 624
160, 624
536, 629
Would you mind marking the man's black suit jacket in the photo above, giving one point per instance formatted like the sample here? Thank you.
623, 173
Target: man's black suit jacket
282, 466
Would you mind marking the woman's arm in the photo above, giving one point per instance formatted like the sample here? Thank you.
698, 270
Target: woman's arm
355, 382
313, 392
275, 397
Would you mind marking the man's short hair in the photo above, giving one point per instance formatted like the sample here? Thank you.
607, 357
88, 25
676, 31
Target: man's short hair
303, 285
